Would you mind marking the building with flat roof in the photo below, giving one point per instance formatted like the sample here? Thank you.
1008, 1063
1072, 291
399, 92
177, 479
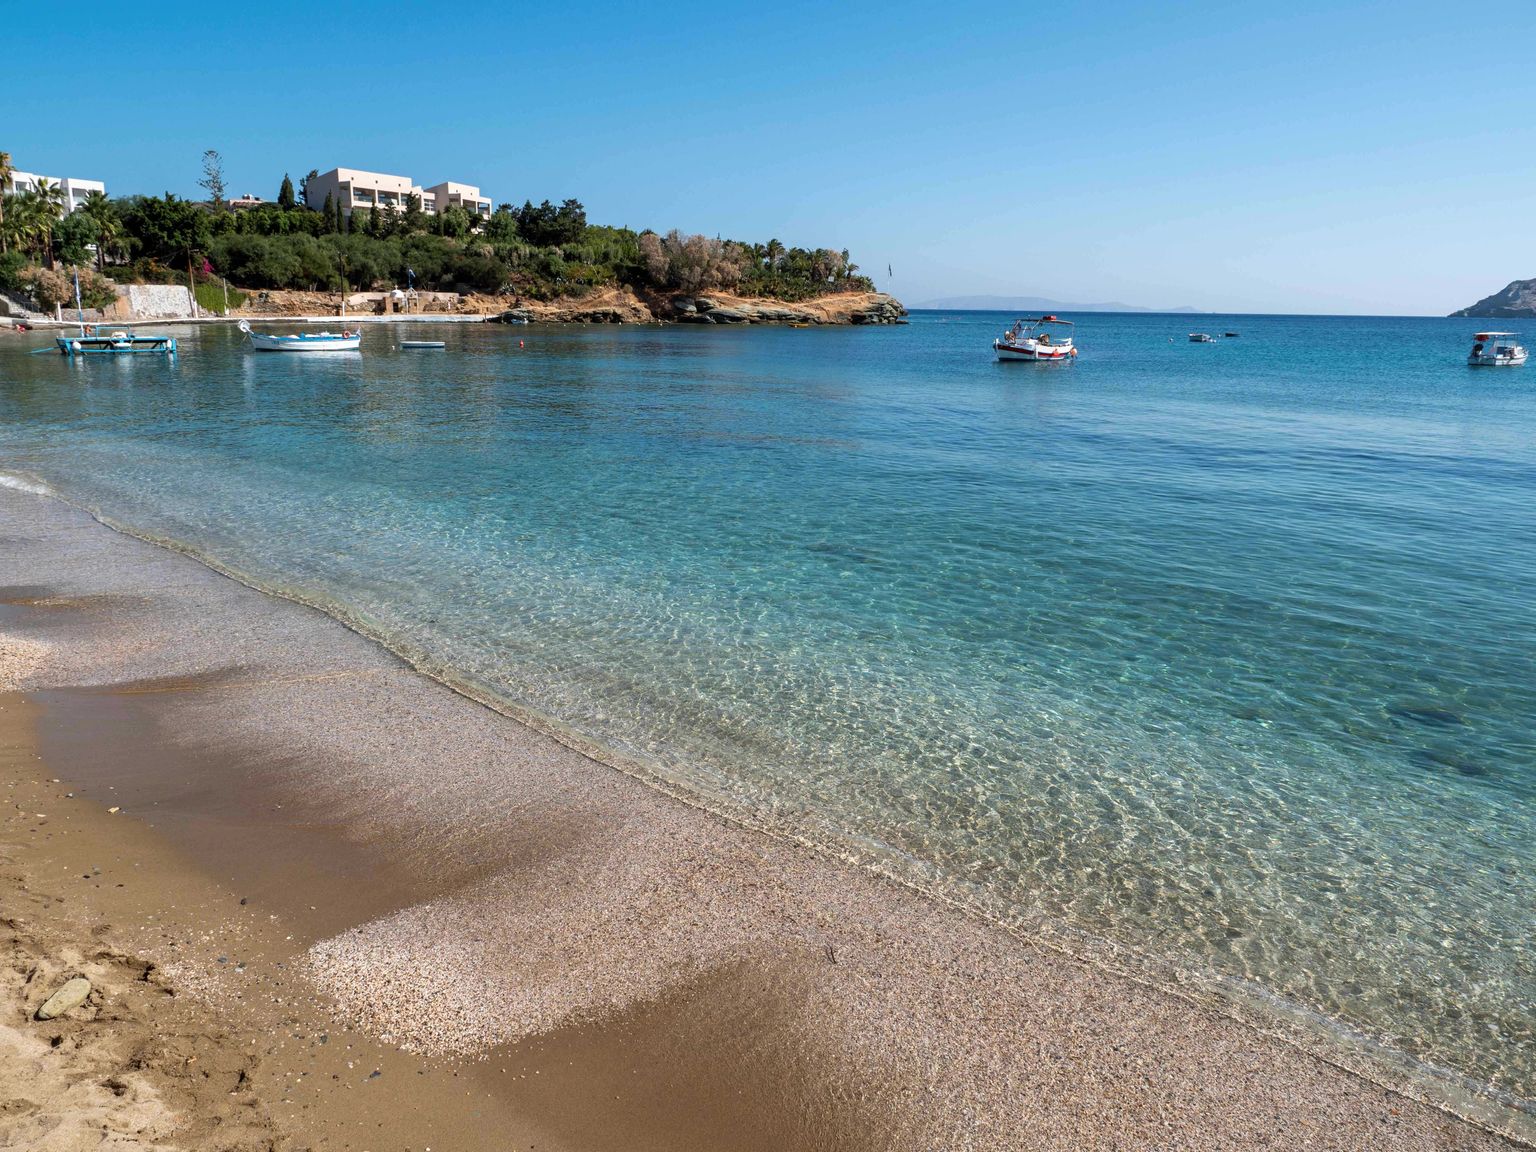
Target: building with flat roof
74, 190
354, 188
466, 196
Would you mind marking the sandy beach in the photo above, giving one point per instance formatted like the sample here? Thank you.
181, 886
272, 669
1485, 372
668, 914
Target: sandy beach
325, 901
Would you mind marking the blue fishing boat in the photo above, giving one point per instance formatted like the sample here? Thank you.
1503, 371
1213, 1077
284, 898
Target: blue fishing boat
92, 342
116, 343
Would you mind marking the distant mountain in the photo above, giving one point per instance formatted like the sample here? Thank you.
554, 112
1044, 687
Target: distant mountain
1517, 301
1033, 304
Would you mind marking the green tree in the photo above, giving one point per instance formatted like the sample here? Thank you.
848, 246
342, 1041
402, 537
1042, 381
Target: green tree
304, 186
73, 236
103, 214
285, 199
414, 219
213, 180
50, 206
6, 172
454, 221
329, 212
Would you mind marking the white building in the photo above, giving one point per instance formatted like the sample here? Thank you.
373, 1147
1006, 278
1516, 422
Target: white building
74, 190
354, 188
466, 196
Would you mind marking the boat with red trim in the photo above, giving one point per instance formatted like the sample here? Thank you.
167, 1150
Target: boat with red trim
1503, 353
1031, 339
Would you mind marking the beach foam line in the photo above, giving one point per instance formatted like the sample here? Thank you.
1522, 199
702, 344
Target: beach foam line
22, 483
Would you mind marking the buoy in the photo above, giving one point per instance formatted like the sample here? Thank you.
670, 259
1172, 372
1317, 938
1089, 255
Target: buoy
519, 343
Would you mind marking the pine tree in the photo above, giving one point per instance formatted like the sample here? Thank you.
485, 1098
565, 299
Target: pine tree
329, 212
285, 199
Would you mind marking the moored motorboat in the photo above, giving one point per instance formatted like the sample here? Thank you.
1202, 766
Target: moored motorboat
345, 341
1030, 339
1201, 338
1496, 350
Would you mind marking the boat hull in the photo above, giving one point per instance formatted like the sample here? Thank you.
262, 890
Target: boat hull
1497, 361
1035, 352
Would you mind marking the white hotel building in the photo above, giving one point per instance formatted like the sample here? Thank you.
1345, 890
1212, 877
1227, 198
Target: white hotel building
74, 190
353, 188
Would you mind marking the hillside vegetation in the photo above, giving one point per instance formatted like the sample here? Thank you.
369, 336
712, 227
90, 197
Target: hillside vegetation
540, 251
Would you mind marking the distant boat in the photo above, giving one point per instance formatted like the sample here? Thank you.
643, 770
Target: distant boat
1229, 335
114, 343
1503, 353
346, 341
1030, 340
1201, 338
423, 344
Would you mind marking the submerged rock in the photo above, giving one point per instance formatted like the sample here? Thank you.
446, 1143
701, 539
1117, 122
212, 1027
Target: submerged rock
1436, 717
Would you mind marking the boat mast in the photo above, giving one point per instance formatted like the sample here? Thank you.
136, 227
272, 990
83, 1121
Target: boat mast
79, 308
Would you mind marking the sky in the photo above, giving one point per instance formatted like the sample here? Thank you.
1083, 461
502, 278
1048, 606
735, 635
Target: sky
1368, 158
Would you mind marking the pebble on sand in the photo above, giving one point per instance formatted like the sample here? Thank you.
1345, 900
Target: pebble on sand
72, 995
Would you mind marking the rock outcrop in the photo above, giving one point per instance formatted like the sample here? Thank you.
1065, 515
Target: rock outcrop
844, 308
600, 306
1516, 301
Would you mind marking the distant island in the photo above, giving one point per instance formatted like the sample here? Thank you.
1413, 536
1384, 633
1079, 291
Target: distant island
1032, 304
1516, 302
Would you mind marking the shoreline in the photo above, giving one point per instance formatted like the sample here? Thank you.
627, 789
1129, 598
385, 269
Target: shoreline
822, 927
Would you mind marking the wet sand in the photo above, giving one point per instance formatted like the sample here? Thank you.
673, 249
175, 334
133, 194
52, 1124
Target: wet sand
531, 948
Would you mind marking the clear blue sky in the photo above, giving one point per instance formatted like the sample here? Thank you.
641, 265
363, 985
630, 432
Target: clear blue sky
1353, 157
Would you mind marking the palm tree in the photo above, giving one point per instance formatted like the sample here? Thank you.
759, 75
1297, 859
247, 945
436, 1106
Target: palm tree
775, 252
50, 200
6, 172
108, 229
12, 224
24, 221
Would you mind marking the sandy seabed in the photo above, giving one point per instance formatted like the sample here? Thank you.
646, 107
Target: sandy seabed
384, 916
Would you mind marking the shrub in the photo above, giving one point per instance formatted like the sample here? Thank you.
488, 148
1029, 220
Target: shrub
50, 288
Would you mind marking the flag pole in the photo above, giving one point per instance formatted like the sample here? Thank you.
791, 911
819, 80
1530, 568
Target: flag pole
79, 308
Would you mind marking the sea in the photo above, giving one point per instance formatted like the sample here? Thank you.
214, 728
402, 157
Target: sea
1216, 662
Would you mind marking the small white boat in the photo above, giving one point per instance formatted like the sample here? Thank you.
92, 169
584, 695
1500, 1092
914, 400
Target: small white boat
423, 343
1201, 338
1030, 340
345, 341
1496, 350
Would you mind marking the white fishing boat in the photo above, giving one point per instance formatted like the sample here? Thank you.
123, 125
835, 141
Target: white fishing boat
1496, 350
1030, 339
345, 341
1201, 338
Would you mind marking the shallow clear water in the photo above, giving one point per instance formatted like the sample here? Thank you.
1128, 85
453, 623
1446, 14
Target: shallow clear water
1222, 653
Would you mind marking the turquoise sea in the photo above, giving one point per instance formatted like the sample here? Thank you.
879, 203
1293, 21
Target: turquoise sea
1218, 660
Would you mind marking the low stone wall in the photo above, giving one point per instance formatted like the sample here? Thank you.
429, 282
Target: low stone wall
155, 301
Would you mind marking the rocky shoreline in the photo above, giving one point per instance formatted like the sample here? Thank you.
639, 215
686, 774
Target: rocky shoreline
602, 306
